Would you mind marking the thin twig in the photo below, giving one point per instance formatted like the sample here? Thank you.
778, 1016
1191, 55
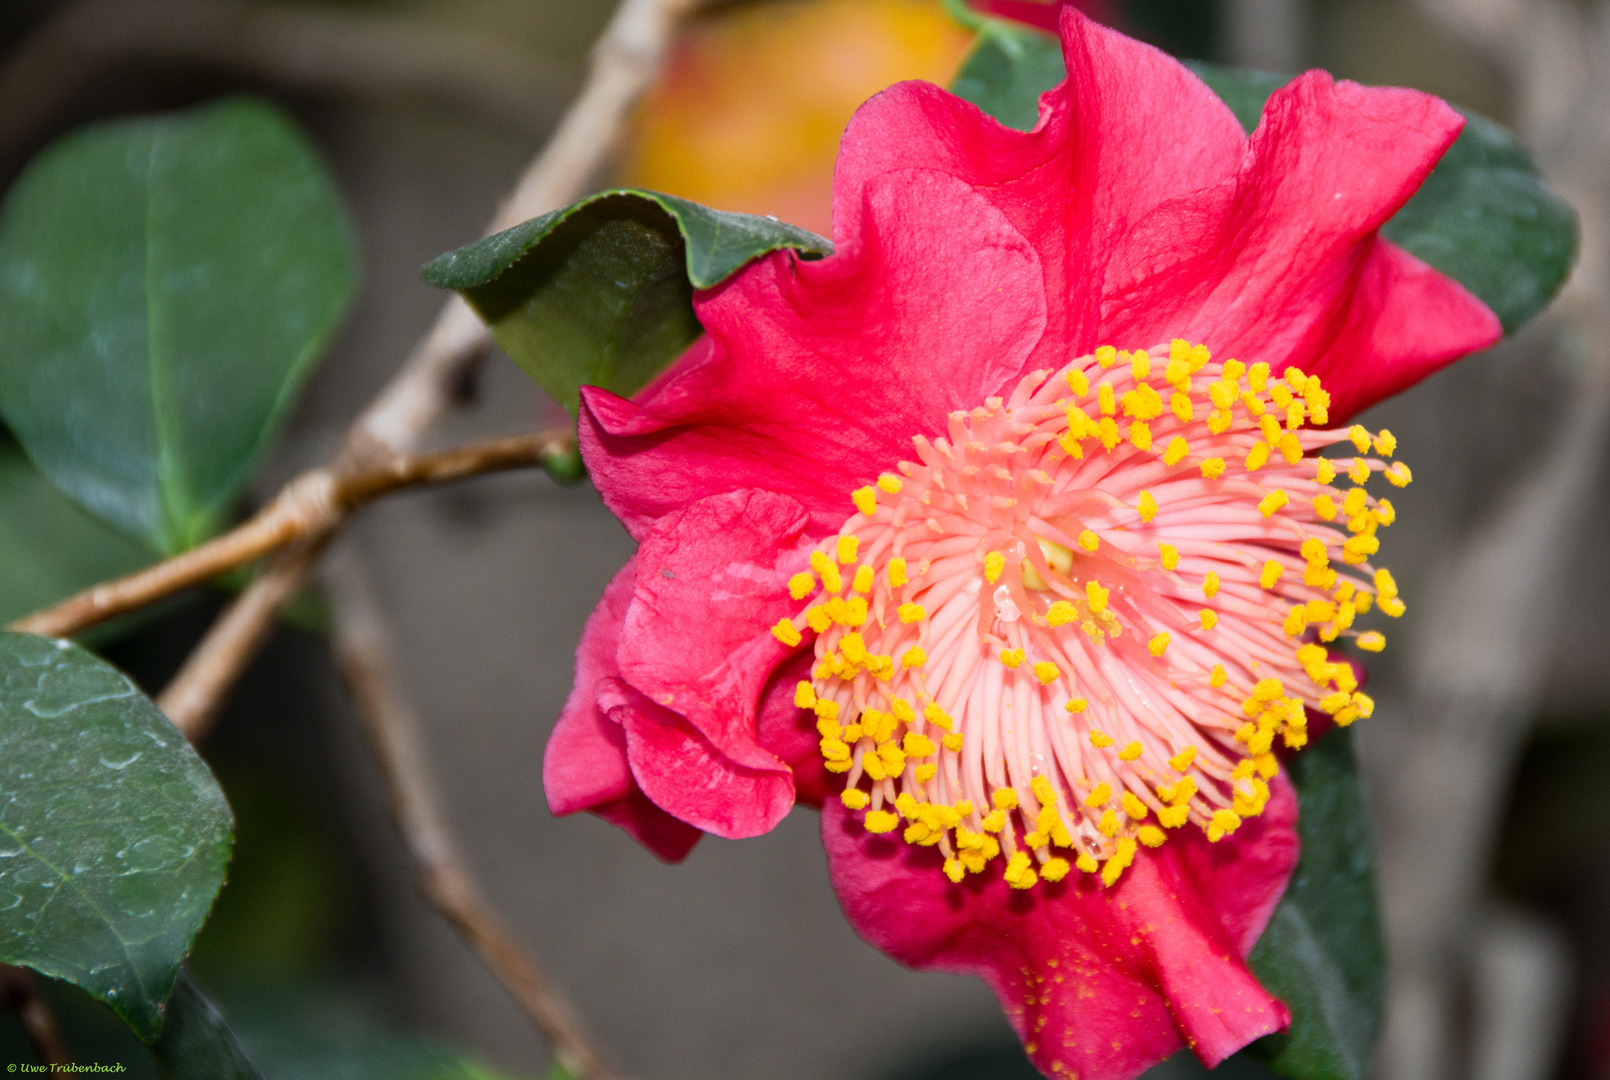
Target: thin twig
365, 654
314, 504
624, 63
19, 993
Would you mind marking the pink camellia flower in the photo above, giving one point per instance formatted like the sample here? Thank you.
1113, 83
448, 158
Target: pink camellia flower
1005, 532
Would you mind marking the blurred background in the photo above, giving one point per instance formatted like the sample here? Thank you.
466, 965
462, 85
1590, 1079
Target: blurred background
1488, 759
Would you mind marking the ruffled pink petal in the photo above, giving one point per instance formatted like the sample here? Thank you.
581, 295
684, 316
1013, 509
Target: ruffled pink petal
790, 732
696, 643
818, 373
1044, 16
1099, 983
1282, 262
585, 765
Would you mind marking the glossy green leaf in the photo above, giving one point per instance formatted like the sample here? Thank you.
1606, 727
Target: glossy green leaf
197, 1043
165, 287
50, 547
1485, 216
1322, 953
600, 293
113, 834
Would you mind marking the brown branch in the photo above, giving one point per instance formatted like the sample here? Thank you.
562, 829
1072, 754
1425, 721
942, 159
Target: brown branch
19, 993
312, 505
624, 63
364, 652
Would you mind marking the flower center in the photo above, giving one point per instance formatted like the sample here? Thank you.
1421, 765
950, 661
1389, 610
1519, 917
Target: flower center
1083, 619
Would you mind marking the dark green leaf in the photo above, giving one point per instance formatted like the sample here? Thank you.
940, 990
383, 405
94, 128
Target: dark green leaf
1485, 216
1322, 953
600, 293
165, 287
49, 546
113, 835
196, 1042
1008, 68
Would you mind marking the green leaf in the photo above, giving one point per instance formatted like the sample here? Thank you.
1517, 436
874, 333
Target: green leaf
1009, 66
49, 546
1322, 953
197, 1043
601, 292
165, 287
113, 834
1485, 216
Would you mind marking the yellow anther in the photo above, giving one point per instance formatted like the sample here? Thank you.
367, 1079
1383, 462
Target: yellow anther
1272, 502
1106, 400
1087, 863
854, 798
917, 746
1355, 502
915, 656
831, 581
1004, 798
1131, 752
1173, 817
1184, 791
1209, 617
1078, 383
829, 729
1391, 605
890, 485
1098, 796
1213, 468
1146, 505
1151, 836
1177, 372
1100, 739
1356, 549
1108, 825
1054, 869
801, 585
1271, 574
1018, 873
1011, 658
1096, 596
880, 821
1280, 393
1398, 475
1358, 471
1255, 407
1140, 435
1223, 823
1324, 470
1140, 365
873, 764
1295, 378
1182, 760
1313, 550
1291, 448
1177, 449
1222, 394
1169, 554
894, 759
1217, 677
1296, 413
1385, 584
1061, 613
1107, 432
1320, 611
1320, 576
854, 647
994, 563
1046, 672
1325, 507
1044, 793
865, 500
1080, 426
1296, 620
826, 708
1386, 443
1199, 358
1267, 690
863, 579
1077, 705
1071, 446
1364, 704
1257, 457
910, 613
995, 821
1089, 541
1106, 356
1258, 376
953, 741
1134, 809
1210, 584
902, 711
1181, 404
954, 870
1360, 436
1119, 862
1233, 370
804, 695
1384, 511
786, 632
848, 545
1159, 644
1270, 427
